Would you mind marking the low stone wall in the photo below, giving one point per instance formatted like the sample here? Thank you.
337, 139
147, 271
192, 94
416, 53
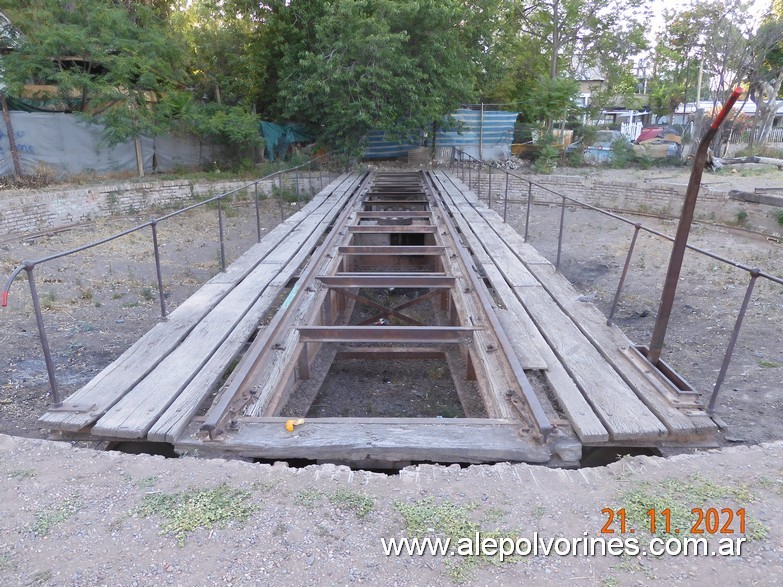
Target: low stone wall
48, 210
721, 207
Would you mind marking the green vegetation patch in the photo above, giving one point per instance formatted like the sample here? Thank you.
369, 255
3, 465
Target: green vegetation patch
444, 519
357, 502
48, 519
187, 511
679, 497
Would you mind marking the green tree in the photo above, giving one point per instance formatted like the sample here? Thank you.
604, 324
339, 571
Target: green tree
110, 61
560, 40
347, 67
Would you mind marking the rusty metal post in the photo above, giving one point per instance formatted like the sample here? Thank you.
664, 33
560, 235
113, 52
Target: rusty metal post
560, 234
470, 174
258, 213
489, 188
683, 230
505, 199
280, 183
29, 267
220, 230
478, 180
527, 211
637, 226
158, 273
320, 177
754, 273
298, 201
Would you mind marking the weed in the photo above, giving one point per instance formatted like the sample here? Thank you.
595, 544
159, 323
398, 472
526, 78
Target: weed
766, 364
85, 293
741, 218
46, 520
308, 497
679, 497
146, 482
454, 522
147, 294
48, 300
116, 296
6, 563
187, 511
779, 216
20, 474
349, 499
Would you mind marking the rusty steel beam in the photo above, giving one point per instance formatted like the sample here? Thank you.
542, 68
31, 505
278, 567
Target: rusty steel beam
387, 334
391, 228
390, 353
394, 214
386, 280
391, 250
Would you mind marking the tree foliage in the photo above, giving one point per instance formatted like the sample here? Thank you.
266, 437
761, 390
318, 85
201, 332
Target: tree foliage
347, 67
110, 61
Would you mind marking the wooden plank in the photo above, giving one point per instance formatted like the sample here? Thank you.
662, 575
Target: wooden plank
581, 416
424, 439
614, 402
519, 334
136, 412
610, 341
105, 389
93, 400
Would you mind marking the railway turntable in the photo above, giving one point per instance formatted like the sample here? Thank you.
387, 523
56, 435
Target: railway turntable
394, 319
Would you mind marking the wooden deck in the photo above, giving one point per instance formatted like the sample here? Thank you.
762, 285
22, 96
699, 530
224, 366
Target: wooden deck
602, 394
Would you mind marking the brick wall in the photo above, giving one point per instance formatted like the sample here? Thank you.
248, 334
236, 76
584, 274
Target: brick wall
633, 196
47, 210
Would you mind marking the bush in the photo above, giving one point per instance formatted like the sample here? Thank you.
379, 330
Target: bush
761, 151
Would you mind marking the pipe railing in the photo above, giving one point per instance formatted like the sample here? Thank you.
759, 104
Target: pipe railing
753, 272
29, 266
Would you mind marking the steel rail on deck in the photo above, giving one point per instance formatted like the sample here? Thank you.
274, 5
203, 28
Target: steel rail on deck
540, 419
239, 383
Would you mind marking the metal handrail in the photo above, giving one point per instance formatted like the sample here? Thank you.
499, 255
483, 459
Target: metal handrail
754, 272
30, 265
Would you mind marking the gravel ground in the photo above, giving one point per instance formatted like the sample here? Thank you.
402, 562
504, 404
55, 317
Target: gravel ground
73, 516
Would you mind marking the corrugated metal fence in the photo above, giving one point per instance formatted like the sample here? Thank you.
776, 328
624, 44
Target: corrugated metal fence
485, 134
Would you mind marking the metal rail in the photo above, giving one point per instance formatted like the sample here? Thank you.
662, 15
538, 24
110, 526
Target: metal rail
753, 272
30, 265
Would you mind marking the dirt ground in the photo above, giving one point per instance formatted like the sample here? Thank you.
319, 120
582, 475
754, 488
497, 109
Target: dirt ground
78, 517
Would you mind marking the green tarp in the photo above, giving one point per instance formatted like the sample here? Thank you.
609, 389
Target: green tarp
278, 137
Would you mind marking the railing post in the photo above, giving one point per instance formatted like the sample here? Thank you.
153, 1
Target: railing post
258, 213
637, 226
280, 183
505, 199
298, 201
220, 229
478, 181
754, 273
156, 250
56, 401
489, 188
320, 177
560, 234
470, 174
529, 200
